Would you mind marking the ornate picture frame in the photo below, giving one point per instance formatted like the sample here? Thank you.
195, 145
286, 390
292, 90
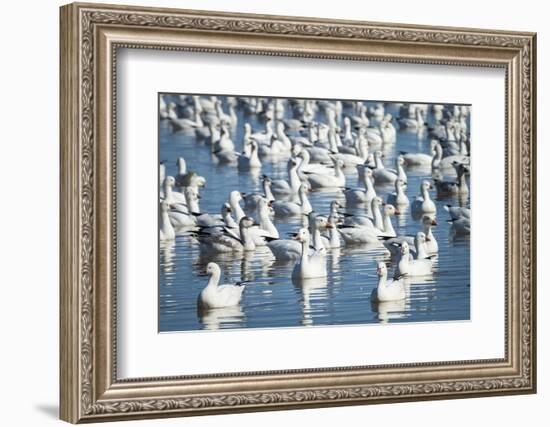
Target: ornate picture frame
90, 37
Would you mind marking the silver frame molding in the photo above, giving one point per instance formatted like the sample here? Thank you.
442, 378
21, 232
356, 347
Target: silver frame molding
90, 37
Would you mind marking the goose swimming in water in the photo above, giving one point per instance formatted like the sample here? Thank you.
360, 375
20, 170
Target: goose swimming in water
252, 161
283, 187
227, 242
361, 196
423, 203
215, 295
399, 198
387, 290
394, 244
336, 180
412, 267
251, 199
364, 234
290, 208
166, 231
312, 264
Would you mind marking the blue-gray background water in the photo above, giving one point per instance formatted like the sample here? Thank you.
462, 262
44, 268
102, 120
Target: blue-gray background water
271, 299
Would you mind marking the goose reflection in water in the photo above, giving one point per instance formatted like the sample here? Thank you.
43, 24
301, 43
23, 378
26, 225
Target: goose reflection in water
313, 291
216, 318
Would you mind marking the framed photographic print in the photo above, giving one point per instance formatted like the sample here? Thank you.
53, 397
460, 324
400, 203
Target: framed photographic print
267, 212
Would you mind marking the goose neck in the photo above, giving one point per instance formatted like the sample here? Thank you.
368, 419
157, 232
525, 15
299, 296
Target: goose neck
182, 166
247, 241
214, 279
377, 216
388, 226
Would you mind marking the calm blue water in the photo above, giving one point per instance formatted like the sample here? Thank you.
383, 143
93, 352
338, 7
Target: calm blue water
271, 299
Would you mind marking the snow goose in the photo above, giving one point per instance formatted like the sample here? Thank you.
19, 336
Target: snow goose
284, 208
387, 290
274, 149
251, 199
228, 119
412, 267
365, 234
227, 242
290, 249
226, 223
399, 198
460, 186
361, 196
251, 161
311, 264
305, 166
336, 180
361, 119
358, 156
440, 162
457, 212
166, 231
169, 195
184, 177
415, 121
393, 245
215, 295
283, 187
373, 218
388, 176
235, 198
332, 241
416, 159
460, 226
263, 137
423, 203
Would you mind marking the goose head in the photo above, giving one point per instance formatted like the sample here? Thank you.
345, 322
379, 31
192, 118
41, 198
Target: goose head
425, 186
302, 235
376, 202
235, 196
321, 223
335, 205
226, 209
164, 207
400, 160
428, 222
420, 238
212, 268
296, 149
169, 181
390, 210
381, 269
405, 250
246, 222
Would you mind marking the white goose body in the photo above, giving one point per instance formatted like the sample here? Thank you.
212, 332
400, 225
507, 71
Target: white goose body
215, 295
336, 180
290, 249
290, 208
166, 231
312, 264
423, 203
387, 289
399, 198
227, 242
283, 187
356, 196
412, 267
251, 161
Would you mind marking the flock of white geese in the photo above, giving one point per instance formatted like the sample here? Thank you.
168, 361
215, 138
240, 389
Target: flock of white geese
316, 151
